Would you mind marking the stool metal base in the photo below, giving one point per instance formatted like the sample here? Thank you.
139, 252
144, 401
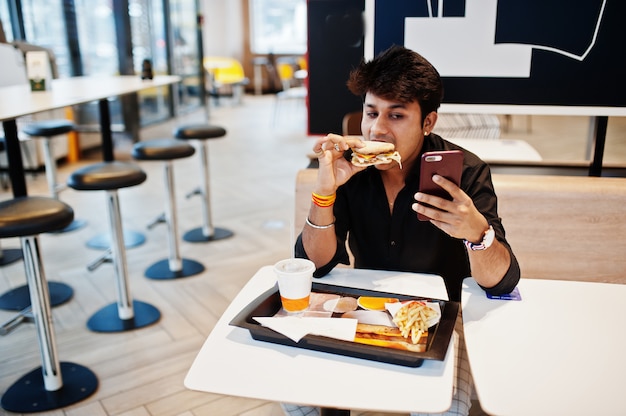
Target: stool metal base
197, 236
74, 225
19, 298
108, 320
161, 270
103, 241
28, 394
10, 255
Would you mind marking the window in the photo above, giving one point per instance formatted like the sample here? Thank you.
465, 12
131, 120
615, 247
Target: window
5, 19
278, 26
44, 25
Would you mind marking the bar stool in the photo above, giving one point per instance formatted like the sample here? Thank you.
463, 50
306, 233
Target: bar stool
126, 314
55, 384
48, 130
168, 150
202, 133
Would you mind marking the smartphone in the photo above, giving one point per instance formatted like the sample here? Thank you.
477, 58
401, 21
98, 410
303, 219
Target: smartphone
446, 163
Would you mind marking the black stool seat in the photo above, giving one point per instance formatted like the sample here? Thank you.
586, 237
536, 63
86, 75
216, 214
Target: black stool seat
199, 132
162, 149
106, 176
32, 215
49, 128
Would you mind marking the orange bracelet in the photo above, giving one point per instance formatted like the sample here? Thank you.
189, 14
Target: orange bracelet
323, 201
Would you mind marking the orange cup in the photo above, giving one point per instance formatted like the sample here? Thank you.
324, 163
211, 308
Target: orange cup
294, 283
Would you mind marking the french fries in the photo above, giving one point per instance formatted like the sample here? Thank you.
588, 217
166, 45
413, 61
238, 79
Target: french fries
412, 319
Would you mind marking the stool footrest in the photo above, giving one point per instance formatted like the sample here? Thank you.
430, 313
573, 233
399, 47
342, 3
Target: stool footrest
25, 315
158, 220
106, 257
195, 192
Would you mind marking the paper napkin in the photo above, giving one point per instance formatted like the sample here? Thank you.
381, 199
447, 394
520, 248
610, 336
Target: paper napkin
296, 327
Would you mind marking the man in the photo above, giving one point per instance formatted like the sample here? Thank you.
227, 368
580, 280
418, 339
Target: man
376, 208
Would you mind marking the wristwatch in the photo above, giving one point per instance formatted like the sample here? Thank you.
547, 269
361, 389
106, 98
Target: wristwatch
488, 237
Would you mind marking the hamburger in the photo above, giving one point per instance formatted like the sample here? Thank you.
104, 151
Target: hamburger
375, 153
384, 336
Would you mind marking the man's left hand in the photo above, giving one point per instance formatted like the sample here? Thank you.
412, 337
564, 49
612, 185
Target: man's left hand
458, 218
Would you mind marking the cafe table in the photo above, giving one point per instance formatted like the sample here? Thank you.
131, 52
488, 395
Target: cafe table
557, 351
232, 363
499, 150
18, 101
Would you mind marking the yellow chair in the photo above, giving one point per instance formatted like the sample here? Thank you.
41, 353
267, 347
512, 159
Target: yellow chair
286, 74
226, 73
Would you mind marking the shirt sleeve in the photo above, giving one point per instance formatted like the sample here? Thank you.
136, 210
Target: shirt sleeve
509, 281
478, 185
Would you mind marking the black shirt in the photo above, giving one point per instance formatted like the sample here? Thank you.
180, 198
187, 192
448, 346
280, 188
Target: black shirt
384, 240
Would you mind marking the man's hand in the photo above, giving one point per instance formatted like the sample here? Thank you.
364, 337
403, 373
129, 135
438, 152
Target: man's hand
334, 169
458, 218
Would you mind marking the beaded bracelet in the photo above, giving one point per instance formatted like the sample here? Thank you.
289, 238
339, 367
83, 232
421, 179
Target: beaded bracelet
323, 201
318, 227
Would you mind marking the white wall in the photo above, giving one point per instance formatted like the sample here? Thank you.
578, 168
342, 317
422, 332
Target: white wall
223, 28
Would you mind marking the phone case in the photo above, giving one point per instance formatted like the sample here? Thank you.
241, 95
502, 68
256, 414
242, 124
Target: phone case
446, 163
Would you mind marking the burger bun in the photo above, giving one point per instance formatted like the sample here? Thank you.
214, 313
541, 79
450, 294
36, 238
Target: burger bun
374, 148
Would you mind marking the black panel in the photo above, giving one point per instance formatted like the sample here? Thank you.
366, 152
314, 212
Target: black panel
555, 79
336, 32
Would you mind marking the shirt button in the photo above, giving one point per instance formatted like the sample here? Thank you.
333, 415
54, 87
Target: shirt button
393, 243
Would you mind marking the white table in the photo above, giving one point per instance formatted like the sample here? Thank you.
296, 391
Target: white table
18, 100
499, 150
232, 363
599, 117
558, 351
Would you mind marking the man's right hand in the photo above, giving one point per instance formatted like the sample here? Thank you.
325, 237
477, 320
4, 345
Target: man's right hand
334, 169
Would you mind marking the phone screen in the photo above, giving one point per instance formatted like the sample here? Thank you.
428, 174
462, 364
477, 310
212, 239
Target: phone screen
446, 163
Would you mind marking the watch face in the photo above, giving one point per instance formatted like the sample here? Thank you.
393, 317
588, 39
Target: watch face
489, 237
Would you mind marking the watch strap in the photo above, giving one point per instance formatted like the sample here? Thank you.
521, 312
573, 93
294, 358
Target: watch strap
484, 244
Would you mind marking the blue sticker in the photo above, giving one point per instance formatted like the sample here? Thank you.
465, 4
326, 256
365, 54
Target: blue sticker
514, 295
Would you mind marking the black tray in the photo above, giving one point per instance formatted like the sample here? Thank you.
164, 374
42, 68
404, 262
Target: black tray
268, 304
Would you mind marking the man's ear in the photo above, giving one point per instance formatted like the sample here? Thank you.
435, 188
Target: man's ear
429, 122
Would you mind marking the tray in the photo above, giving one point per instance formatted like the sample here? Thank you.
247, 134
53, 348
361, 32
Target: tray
268, 304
